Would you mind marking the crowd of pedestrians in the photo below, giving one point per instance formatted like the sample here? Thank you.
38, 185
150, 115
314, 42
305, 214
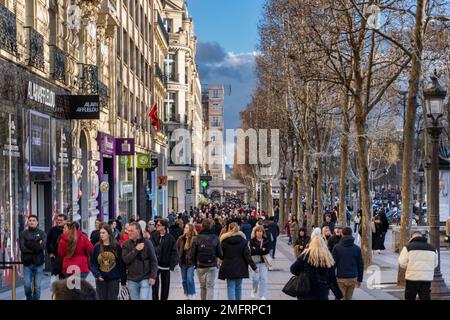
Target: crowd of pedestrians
228, 242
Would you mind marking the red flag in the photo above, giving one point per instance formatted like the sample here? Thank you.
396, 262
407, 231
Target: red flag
153, 114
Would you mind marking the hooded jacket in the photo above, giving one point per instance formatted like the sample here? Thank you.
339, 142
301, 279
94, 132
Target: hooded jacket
80, 256
419, 258
142, 264
32, 245
236, 256
348, 258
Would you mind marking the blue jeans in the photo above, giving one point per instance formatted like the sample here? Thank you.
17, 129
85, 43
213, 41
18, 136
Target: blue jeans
234, 289
260, 279
140, 290
30, 273
187, 274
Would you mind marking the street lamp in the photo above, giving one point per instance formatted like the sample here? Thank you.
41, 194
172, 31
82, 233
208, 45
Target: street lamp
434, 97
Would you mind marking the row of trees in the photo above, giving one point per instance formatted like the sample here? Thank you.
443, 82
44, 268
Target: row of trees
342, 80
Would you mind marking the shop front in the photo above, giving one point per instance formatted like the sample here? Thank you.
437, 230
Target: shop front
124, 147
106, 176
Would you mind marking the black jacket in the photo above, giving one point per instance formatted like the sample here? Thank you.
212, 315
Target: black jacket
95, 237
274, 230
333, 241
209, 236
32, 246
257, 250
321, 279
140, 264
236, 257
348, 258
217, 229
329, 225
52, 240
176, 231
166, 250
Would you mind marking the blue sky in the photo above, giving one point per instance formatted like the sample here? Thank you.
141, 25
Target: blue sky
228, 36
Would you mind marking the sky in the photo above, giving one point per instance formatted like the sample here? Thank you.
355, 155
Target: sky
227, 33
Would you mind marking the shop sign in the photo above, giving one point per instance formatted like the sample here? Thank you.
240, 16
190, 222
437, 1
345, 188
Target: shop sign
124, 146
84, 107
107, 143
162, 180
143, 161
104, 187
10, 148
41, 95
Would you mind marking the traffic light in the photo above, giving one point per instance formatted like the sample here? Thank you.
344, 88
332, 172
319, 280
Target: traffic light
204, 183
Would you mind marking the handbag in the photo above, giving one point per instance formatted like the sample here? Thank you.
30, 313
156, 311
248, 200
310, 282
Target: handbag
267, 260
298, 286
124, 294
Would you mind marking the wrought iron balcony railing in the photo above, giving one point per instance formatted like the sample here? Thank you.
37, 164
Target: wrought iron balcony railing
173, 77
103, 94
58, 64
36, 49
88, 78
8, 30
160, 74
163, 28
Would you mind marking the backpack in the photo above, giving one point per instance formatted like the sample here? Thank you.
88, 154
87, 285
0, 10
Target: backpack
206, 256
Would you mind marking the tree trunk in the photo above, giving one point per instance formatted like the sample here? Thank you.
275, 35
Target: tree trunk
344, 163
299, 185
408, 136
308, 191
318, 215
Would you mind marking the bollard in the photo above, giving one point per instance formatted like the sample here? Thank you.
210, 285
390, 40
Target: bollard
13, 282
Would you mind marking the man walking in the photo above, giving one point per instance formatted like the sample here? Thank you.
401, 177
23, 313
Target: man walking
275, 231
139, 256
167, 254
419, 258
205, 250
328, 223
335, 238
52, 246
349, 264
32, 246
95, 235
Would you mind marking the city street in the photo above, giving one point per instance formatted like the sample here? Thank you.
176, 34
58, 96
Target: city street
385, 290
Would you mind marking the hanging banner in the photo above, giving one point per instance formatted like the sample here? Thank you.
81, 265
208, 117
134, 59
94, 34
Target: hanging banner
124, 146
144, 161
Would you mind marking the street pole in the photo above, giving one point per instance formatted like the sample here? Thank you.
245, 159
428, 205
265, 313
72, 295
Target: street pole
420, 198
11, 212
439, 289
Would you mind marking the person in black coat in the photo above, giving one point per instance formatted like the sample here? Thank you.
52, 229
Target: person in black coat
275, 231
95, 235
259, 248
217, 226
377, 234
335, 238
53, 237
301, 242
349, 264
167, 253
318, 264
328, 223
236, 259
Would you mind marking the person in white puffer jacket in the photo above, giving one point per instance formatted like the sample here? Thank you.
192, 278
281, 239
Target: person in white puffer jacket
419, 258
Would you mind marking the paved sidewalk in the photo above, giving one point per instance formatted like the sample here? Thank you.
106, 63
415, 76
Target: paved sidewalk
384, 289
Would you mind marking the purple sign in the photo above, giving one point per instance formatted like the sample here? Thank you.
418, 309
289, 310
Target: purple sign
107, 143
124, 146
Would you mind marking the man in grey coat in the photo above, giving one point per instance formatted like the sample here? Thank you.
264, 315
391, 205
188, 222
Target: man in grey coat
139, 256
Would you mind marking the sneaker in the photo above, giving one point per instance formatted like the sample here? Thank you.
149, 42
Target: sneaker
191, 297
270, 268
186, 297
379, 251
263, 298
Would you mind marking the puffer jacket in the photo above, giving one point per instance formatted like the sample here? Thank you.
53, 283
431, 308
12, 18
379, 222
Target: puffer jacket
81, 255
419, 258
32, 246
236, 256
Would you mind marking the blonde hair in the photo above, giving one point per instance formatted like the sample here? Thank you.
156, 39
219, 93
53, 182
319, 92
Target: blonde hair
258, 228
317, 253
233, 228
323, 231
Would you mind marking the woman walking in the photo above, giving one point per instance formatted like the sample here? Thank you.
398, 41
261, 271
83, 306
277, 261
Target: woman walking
301, 242
294, 229
236, 259
377, 234
326, 234
184, 244
74, 249
318, 264
259, 247
107, 265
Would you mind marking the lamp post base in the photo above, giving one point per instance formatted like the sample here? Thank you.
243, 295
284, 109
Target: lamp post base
439, 289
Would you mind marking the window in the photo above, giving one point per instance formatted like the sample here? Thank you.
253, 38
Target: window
142, 68
173, 195
146, 26
215, 166
119, 100
119, 43
215, 94
141, 20
168, 23
131, 55
215, 121
214, 152
136, 12
130, 115
125, 47
125, 103
213, 138
216, 106
171, 107
171, 67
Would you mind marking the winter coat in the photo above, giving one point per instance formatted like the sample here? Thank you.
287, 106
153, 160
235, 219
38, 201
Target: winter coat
329, 225
122, 238
333, 241
348, 258
32, 246
176, 231
258, 249
384, 222
80, 256
217, 229
108, 265
321, 279
52, 240
287, 227
274, 230
95, 237
247, 230
184, 256
300, 244
140, 264
377, 237
236, 256
196, 250
419, 258
166, 250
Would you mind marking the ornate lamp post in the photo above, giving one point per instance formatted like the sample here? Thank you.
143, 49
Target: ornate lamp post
434, 97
